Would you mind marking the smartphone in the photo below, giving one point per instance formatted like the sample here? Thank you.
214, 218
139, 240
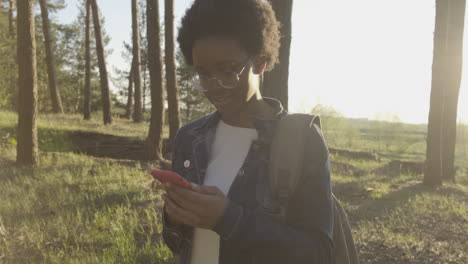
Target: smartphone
169, 176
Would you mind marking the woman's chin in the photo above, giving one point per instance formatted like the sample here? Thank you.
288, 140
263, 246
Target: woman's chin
222, 109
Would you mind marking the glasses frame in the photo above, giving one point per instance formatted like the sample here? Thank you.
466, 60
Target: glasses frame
197, 79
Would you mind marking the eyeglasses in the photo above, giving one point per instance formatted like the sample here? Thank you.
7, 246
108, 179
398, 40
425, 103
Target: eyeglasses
227, 79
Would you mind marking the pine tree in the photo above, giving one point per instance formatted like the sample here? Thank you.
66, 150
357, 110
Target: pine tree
137, 112
155, 69
275, 82
105, 93
52, 80
171, 81
27, 105
87, 88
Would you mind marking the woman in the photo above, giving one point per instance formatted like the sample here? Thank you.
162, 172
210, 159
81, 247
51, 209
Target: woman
224, 219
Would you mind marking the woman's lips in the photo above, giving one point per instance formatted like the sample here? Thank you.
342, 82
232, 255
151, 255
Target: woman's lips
220, 99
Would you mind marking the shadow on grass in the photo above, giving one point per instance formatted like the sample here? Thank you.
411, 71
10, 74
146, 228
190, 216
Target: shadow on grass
10, 171
91, 143
403, 155
348, 190
371, 208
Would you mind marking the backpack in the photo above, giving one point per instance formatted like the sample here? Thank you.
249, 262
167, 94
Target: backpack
285, 169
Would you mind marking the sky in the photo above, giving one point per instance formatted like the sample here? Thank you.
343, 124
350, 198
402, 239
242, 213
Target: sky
365, 58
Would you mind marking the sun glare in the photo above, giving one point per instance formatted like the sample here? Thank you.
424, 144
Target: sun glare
356, 57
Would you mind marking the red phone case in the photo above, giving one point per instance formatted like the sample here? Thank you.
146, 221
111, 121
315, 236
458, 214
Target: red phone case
172, 177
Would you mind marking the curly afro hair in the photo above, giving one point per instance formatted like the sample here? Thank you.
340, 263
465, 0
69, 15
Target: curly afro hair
252, 22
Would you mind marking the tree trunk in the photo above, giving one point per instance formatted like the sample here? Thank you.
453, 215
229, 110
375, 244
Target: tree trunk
171, 81
11, 23
105, 95
275, 82
188, 112
87, 89
137, 112
145, 86
54, 91
456, 21
128, 108
27, 73
433, 167
155, 72
78, 95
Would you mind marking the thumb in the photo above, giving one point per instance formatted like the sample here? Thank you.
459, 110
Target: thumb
213, 190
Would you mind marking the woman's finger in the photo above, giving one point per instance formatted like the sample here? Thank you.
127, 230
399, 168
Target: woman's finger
172, 210
156, 185
179, 214
212, 190
185, 195
184, 202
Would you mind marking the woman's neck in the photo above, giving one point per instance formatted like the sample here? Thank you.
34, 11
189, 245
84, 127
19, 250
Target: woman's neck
256, 106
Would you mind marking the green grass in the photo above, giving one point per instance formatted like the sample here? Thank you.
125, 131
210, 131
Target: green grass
75, 122
414, 225
396, 219
392, 140
58, 133
74, 208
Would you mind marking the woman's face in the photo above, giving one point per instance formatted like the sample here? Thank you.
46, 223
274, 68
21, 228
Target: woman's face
221, 57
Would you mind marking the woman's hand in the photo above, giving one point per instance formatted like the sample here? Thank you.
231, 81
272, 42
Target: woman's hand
201, 207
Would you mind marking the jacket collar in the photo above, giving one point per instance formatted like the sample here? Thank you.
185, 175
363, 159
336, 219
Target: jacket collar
204, 132
264, 126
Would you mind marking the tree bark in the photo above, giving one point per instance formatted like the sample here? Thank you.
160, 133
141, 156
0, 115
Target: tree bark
105, 93
128, 108
275, 82
87, 88
171, 79
433, 164
27, 73
456, 21
155, 72
11, 19
145, 86
137, 112
188, 112
52, 80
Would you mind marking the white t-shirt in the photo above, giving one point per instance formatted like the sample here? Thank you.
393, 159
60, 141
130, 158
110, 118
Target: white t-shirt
228, 151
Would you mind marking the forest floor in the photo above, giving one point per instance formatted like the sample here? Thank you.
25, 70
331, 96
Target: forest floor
97, 206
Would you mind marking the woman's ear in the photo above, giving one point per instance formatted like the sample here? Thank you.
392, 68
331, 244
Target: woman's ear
259, 65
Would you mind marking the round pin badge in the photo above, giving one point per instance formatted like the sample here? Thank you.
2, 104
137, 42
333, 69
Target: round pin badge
187, 163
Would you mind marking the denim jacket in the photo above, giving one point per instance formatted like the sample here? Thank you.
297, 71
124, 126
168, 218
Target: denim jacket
248, 233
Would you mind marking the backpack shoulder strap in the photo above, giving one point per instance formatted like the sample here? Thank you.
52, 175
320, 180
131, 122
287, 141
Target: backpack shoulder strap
287, 154
285, 170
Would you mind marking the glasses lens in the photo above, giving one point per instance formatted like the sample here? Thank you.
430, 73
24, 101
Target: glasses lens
197, 83
228, 81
